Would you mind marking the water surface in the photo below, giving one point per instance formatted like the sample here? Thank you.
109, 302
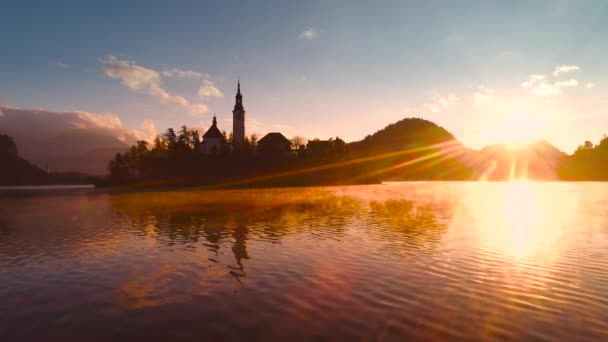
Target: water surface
380, 262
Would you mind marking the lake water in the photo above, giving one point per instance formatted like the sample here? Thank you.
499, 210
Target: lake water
380, 262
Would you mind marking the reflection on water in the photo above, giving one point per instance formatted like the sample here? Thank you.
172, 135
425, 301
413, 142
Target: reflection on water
423, 260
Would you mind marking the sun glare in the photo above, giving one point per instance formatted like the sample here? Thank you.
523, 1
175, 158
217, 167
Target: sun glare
528, 222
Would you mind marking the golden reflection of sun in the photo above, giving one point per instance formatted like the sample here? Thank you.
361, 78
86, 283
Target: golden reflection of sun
520, 218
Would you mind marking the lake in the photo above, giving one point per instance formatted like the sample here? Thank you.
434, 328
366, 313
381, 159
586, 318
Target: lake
393, 261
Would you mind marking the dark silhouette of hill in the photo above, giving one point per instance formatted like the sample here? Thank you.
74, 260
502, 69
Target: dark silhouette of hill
74, 150
16, 170
414, 148
404, 134
66, 141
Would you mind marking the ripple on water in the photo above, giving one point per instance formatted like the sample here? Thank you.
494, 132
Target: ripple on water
417, 260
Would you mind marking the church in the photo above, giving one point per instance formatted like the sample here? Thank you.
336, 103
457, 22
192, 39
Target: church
274, 144
213, 138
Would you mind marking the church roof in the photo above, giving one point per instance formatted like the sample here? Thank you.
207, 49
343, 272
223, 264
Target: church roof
274, 138
213, 131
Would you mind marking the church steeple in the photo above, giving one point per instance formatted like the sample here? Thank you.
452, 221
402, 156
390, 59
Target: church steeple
238, 120
238, 105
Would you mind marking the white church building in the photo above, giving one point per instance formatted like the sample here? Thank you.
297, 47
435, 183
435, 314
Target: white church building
213, 138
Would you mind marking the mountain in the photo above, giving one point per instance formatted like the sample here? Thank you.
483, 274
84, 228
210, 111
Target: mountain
413, 148
18, 171
66, 141
73, 150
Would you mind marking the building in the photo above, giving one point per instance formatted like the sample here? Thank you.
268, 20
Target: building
274, 144
318, 148
238, 121
212, 139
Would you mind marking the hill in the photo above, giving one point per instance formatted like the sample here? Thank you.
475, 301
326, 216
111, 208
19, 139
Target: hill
66, 141
413, 148
18, 171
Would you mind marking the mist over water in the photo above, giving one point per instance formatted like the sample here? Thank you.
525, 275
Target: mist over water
420, 260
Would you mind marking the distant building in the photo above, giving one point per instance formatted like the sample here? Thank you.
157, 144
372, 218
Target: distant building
212, 140
274, 144
318, 148
238, 121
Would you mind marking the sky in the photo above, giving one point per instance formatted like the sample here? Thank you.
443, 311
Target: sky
487, 71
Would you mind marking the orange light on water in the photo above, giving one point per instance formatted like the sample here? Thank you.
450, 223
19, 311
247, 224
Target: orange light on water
519, 218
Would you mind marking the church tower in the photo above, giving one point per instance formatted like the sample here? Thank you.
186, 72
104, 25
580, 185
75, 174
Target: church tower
238, 120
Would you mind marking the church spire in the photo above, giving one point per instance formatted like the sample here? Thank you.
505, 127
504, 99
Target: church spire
239, 97
214, 121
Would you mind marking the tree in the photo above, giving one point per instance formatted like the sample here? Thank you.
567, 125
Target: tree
170, 139
195, 140
183, 140
159, 145
297, 141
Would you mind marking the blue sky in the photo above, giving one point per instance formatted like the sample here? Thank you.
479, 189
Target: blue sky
317, 68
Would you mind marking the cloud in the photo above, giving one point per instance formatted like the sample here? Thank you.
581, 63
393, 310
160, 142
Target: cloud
533, 79
71, 141
590, 85
178, 73
485, 96
59, 65
309, 34
569, 83
434, 108
209, 90
541, 87
440, 103
140, 79
565, 68
546, 89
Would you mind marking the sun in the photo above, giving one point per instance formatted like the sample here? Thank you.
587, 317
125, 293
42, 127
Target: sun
515, 126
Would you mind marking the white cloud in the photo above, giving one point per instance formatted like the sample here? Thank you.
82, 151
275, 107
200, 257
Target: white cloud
148, 81
140, 79
440, 103
148, 131
434, 108
59, 65
532, 80
590, 85
209, 90
565, 68
485, 96
546, 89
569, 83
178, 73
72, 141
309, 34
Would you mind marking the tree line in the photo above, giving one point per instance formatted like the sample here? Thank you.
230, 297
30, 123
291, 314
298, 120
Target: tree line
175, 155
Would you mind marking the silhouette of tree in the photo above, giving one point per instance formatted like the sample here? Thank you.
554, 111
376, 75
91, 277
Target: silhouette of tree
297, 141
